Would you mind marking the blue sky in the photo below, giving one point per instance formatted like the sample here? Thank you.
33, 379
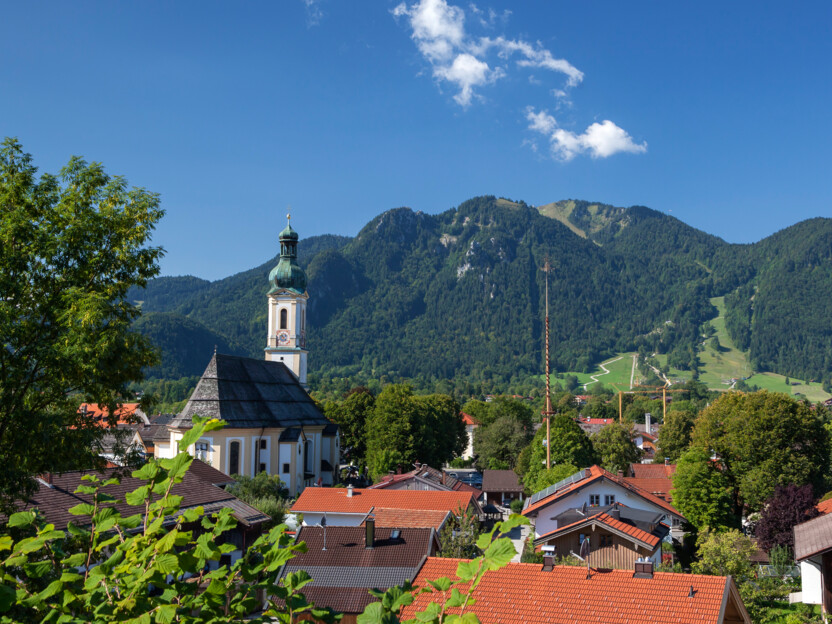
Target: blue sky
717, 113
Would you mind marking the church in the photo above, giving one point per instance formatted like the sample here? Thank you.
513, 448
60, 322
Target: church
272, 424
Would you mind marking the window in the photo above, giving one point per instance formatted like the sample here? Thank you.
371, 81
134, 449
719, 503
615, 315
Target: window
234, 458
594, 500
605, 540
609, 499
286, 468
201, 451
284, 318
309, 456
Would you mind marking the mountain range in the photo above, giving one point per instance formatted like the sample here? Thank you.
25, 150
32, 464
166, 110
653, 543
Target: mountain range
461, 295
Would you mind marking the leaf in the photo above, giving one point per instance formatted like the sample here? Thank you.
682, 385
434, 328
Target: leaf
441, 584
137, 496
484, 540
467, 570
21, 518
7, 598
167, 563
457, 599
374, 614
84, 509
499, 554
165, 613
430, 613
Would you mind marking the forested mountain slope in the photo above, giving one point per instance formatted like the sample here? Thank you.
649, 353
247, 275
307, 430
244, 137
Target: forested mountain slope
460, 294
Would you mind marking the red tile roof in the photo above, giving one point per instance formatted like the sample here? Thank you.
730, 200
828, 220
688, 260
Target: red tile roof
335, 500
596, 473
653, 471
410, 518
597, 421
825, 507
524, 593
468, 419
127, 414
657, 487
610, 522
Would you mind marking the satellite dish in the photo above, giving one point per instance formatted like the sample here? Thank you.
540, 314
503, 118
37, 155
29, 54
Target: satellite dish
585, 548
583, 509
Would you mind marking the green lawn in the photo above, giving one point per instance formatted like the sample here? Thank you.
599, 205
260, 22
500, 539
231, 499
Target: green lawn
720, 366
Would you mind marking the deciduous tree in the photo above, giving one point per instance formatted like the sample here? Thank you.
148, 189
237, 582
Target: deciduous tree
701, 492
788, 506
724, 553
570, 445
764, 439
70, 248
674, 436
615, 447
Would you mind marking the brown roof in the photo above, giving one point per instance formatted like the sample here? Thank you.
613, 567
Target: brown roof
410, 518
524, 593
210, 474
813, 537
346, 569
335, 500
500, 481
652, 471
55, 501
431, 476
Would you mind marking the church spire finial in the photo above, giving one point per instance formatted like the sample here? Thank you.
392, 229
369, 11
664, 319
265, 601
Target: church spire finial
288, 214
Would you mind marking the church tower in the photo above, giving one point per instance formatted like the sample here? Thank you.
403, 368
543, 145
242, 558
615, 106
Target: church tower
287, 308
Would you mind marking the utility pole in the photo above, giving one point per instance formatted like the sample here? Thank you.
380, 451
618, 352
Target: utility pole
548, 413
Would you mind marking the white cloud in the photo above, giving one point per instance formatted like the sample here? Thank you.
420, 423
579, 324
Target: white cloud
314, 13
471, 63
599, 140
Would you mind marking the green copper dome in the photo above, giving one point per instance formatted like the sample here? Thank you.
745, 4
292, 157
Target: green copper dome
288, 275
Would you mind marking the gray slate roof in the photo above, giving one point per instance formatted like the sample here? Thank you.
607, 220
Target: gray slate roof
248, 393
813, 537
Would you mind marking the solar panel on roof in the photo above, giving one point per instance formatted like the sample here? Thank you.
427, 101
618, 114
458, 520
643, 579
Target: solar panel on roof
578, 476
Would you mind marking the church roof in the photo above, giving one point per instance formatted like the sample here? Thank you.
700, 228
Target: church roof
249, 393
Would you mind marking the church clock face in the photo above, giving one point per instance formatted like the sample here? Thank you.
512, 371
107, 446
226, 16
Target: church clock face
283, 337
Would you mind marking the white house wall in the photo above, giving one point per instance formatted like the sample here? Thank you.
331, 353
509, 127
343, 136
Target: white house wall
545, 522
333, 519
811, 581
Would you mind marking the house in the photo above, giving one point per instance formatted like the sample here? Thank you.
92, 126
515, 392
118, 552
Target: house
272, 424
813, 551
410, 518
56, 496
594, 425
471, 423
654, 478
423, 477
346, 562
622, 522
824, 506
501, 487
528, 593
126, 414
351, 506
647, 444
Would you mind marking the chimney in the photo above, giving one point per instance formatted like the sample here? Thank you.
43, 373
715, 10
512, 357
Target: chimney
620, 474
644, 569
666, 461
369, 532
647, 417
614, 512
548, 563
349, 491
399, 469
587, 473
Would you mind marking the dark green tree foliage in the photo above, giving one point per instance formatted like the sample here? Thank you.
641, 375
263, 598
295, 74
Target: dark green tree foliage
70, 248
615, 447
264, 492
738, 315
764, 439
570, 446
701, 492
675, 434
498, 445
403, 428
351, 416
458, 538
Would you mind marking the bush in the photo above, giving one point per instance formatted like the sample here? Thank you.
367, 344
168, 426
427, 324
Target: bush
516, 506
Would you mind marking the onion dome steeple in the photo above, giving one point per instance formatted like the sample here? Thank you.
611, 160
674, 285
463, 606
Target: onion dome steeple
288, 275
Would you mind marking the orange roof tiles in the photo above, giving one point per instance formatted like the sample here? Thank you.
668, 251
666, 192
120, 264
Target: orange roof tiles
468, 419
524, 593
653, 471
595, 473
607, 520
410, 518
127, 414
825, 507
657, 487
335, 500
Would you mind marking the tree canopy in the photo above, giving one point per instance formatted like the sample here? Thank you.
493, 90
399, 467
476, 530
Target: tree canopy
71, 246
764, 439
615, 447
701, 492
